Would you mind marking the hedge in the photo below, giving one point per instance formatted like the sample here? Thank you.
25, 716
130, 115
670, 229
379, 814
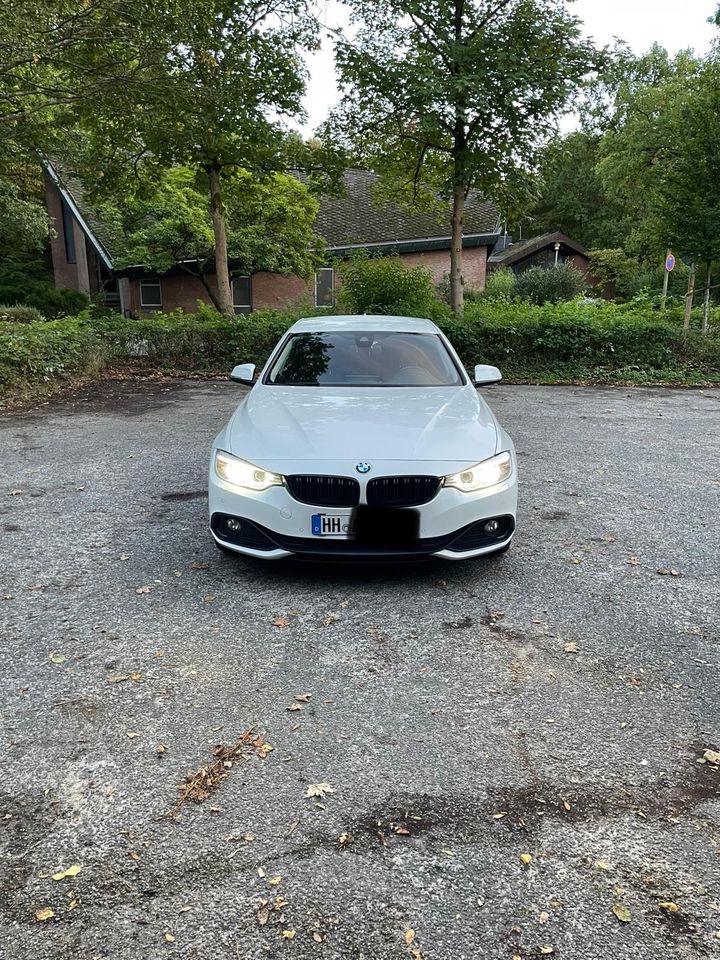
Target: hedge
571, 341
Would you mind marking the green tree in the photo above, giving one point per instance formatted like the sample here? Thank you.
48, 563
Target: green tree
166, 222
453, 95
688, 202
571, 196
229, 73
207, 84
638, 143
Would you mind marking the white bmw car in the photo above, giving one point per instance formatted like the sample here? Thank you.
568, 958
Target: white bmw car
363, 437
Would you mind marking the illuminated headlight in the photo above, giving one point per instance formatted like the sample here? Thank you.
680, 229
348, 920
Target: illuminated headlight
489, 473
243, 474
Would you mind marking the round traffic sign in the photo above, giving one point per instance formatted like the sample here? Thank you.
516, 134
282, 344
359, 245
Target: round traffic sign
670, 263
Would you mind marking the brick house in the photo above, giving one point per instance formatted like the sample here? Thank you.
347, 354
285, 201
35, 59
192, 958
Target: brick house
352, 222
546, 250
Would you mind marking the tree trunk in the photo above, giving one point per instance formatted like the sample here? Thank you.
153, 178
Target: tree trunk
224, 295
456, 250
689, 298
706, 304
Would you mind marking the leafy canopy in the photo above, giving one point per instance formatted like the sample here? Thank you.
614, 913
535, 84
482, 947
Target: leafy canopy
447, 92
269, 223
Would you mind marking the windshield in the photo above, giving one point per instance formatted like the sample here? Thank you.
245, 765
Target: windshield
343, 358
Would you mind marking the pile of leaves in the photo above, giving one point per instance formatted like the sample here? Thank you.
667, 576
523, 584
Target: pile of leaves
200, 785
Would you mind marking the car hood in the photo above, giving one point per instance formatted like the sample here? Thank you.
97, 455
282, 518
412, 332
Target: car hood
369, 423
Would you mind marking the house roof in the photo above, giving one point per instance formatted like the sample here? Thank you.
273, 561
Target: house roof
353, 220
525, 248
71, 190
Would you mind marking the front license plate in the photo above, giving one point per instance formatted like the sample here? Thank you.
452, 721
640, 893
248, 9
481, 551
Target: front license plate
332, 525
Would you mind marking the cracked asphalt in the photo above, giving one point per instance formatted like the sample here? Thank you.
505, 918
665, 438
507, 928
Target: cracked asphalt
555, 702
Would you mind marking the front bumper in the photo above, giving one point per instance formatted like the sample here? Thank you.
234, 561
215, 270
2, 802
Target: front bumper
274, 525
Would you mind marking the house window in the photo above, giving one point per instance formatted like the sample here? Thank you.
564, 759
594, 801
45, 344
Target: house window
242, 295
150, 294
68, 233
325, 287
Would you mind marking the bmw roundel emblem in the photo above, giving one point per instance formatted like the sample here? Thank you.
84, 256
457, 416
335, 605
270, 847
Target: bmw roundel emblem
363, 467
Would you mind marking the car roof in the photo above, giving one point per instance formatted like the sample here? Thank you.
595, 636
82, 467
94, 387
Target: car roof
364, 322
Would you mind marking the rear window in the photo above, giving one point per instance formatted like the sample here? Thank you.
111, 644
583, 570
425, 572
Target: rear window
370, 358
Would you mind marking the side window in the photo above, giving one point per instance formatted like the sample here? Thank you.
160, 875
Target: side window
242, 295
68, 233
325, 287
150, 295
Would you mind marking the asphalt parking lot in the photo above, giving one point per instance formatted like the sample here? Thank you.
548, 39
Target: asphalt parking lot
513, 746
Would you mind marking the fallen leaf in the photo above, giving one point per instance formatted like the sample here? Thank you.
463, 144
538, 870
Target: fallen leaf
669, 906
274, 881
199, 566
622, 913
294, 707
570, 647
403, 831
280, 622
184, 909
546, 950
317, 937
46, 913
567, 805
632, 561
56, 657
344, 839
303, 697
288, 934
169, 938
143, 589
500, 815
319, 790
712, 756
526, 858
330, 618
409, 936
263, 750
132, 734
161, 748
72, 871
544, 917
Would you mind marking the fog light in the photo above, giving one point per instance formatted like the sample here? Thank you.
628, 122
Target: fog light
234, 526
491, 527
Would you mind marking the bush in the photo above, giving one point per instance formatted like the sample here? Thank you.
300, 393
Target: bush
565, 341
577, 339
614, 271
549, 284
28, 282
36, 353
20, 314
500, 285
384, 285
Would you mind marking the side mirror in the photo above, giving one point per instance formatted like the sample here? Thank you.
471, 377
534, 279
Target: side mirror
485, 375
244, 373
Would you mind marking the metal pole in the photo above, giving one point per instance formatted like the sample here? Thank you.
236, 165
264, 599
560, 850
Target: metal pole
666, 278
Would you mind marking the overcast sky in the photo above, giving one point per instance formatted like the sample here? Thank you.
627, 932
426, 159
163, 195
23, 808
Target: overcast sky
675, 24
